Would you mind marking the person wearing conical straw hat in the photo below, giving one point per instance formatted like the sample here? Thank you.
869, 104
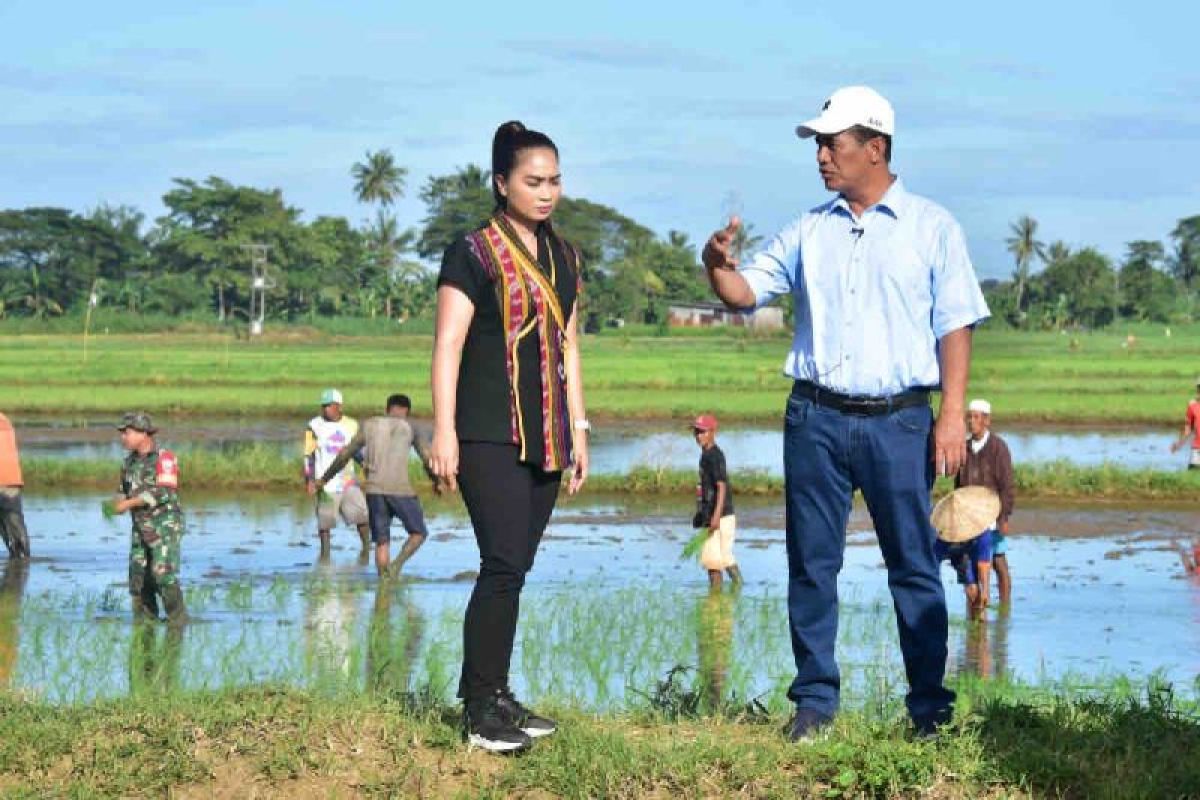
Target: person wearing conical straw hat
963, 520
989, 463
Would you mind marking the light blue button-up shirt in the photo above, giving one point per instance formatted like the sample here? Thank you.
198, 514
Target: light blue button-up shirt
873, 294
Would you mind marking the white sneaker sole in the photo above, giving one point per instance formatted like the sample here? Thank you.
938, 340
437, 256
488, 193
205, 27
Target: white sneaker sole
493, 746
534, 733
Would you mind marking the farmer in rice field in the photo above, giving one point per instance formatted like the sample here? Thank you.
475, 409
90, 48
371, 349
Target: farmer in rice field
989, 464
150, 493
1191, 430
885, 301
964, 521
12, 516
324, 437
387, 440
714, 505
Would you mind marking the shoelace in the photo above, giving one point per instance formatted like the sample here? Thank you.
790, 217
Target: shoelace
507, 694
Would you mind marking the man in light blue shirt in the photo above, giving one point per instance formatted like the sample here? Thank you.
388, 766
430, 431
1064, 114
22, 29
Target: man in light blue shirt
885, 300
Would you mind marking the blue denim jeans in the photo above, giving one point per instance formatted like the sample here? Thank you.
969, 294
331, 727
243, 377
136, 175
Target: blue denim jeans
827, 455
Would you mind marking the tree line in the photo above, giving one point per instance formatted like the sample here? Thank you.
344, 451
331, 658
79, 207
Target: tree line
1083, 288
195, 259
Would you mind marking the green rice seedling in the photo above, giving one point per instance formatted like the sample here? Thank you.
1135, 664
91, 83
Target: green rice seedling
691, 550
239, 595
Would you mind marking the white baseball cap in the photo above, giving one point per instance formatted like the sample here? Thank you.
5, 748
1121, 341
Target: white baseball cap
850, 106
982, 406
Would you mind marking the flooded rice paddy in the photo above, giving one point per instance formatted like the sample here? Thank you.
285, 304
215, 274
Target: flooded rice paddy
617, 447
609, 608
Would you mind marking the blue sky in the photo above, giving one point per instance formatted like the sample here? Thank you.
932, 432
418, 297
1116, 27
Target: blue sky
1087, 119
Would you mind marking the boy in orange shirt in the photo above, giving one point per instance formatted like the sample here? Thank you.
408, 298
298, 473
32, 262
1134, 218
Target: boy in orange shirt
12, 518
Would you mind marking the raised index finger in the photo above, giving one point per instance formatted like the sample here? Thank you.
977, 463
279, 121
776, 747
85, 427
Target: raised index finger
726, 234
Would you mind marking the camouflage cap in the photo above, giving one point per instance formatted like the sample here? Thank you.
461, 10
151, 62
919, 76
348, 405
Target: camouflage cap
139, 421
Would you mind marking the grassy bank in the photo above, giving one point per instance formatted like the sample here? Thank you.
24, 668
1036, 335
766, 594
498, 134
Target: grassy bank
1088, 377
1053, 480
1005, 743
265, 468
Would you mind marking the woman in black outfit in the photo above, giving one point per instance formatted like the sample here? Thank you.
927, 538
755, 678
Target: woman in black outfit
508, 410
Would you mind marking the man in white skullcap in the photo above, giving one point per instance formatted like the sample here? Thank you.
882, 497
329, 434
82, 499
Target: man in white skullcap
989, 464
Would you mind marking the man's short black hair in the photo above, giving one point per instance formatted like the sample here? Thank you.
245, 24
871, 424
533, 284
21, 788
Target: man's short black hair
863, 134
399, 400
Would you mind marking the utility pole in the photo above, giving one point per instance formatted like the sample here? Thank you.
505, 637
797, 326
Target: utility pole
260, 281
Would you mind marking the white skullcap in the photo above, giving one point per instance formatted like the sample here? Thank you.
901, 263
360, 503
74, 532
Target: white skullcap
982, 406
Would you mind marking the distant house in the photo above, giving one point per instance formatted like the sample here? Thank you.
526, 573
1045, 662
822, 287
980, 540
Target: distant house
707, 315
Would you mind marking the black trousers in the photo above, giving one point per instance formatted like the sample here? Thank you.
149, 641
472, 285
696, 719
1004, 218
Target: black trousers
12, 523
509, 503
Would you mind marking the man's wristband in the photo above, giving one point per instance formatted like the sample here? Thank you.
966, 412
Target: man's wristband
582, 425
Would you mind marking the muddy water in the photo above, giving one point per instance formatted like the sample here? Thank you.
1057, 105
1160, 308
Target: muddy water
618, 447
609, 606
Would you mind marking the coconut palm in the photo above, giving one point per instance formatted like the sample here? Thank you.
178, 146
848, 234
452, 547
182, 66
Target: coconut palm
378, 179
1056, 251
1024, 246
745, 240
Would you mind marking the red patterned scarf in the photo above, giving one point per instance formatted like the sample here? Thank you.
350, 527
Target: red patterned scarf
529, 301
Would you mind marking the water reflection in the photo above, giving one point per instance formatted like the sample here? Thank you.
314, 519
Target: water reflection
394, 638
155, 653
985, 644
714, 638
12, 591
330, 609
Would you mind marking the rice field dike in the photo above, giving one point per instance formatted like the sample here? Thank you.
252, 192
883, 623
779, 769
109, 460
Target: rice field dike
152, 711
266, 467
1137, 374
1006, 742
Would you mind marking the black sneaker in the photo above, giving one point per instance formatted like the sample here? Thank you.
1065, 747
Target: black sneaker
530, 723
808, 725
931, 727
487, 727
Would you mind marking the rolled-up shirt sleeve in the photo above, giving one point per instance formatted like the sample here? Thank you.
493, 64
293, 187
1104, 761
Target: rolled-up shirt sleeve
771, 271
957, 299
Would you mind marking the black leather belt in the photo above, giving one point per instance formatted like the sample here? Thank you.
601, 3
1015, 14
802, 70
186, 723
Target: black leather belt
860, 405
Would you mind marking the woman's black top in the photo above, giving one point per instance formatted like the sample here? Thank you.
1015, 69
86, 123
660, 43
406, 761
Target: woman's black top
483, 411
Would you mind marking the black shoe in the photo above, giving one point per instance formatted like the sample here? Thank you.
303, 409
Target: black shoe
808, 725
931, 727
530, 723
487, 727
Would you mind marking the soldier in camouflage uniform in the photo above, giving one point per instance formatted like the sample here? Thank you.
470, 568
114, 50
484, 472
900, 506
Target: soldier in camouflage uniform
150, 491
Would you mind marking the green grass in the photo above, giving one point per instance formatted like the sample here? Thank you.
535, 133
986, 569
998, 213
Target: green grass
258, 466
302, 709
1087, 377
1005, 743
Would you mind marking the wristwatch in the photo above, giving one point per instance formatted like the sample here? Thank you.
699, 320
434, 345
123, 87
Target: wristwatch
582, 425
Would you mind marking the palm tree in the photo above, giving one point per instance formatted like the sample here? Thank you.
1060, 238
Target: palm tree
1057, 251
1024, 246
745, 240
387, 241
378, 179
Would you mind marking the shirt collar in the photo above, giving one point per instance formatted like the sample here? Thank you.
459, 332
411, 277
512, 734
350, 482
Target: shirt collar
893, 201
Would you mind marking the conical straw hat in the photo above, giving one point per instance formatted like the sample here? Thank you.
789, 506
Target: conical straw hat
965, 513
